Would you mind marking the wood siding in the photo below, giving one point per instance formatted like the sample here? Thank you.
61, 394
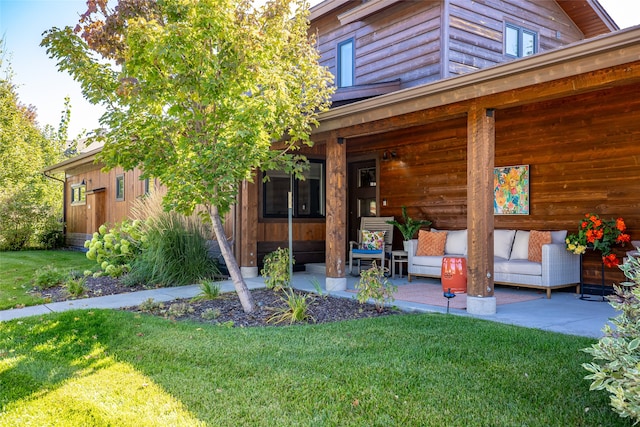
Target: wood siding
476, 30
403, 43
583, 156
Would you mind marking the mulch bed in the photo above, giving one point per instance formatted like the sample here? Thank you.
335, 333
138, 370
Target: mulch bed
226, 309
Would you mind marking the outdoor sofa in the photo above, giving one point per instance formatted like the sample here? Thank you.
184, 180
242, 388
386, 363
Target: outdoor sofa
513, 266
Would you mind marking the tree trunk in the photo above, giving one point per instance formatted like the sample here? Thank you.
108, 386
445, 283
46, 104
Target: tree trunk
232, 265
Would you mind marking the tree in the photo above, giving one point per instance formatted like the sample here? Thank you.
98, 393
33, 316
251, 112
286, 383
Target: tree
28, 201
199, 93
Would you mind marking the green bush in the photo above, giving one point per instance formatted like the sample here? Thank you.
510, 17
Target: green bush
616, 364
48, 277
276, 269
52, 234
115, 248
76, 286
175, 252
374, 285
296, 309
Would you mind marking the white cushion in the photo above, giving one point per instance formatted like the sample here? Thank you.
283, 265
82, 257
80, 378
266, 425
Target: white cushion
558, 236
520, 248
502, 241
456, 243
428, 260
518, 266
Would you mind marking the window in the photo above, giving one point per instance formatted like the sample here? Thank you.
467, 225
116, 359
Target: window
120, 187
519, 42
149, 186
346, 63
308, 194
78, 194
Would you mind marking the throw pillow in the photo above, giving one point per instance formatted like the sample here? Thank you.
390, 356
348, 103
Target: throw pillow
456, 242
520, 248
431, 243
372, 240
502, 241
536, 240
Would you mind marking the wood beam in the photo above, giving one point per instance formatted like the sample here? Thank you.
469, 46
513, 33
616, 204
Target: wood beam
336, 234
248, 229
480, 161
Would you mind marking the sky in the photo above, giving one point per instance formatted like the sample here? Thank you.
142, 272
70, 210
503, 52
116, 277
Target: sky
39, 83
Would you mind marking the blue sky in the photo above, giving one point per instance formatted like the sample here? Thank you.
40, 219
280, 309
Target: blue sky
22, 23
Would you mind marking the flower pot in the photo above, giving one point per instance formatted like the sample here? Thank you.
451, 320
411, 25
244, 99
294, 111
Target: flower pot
405, 245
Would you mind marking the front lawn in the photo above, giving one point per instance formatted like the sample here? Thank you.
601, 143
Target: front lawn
17, 271
121, 368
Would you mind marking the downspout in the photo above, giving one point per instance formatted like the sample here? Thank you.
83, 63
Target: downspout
64, 200
444, 39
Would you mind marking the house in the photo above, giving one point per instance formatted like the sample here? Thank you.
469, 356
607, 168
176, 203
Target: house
432, 95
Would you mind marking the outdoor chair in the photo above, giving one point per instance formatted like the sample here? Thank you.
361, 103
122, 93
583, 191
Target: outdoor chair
375, 240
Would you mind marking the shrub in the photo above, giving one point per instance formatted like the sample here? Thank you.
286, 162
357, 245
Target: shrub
276, 269
175, 251
296, 309
616, 365
374, 285
209, 290
52, 234
114, 249
48, 277
211, 314
76, 286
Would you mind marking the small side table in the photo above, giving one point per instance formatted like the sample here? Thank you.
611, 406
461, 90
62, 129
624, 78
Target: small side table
400, 257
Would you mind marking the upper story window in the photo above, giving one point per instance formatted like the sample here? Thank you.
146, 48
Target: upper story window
78, 194
120, 187
346, 63
519, 42
308, 194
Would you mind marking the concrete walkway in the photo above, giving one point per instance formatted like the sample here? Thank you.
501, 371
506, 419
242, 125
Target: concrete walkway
564, 312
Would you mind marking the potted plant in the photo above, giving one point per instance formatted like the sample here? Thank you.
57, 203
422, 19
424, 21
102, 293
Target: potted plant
409, 227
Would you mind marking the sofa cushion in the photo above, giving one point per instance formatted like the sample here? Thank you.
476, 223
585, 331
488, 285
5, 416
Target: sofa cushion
536, 240
517, 266
520, 248
502, 241
428, 261
431, 243
558, 236
372, 240
456, 243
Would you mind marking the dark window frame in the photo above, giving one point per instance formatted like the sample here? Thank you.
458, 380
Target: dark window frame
339, 81
120, 193
78, 194
521, 33
315, 195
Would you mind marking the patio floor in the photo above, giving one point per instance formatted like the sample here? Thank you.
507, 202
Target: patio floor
565, 312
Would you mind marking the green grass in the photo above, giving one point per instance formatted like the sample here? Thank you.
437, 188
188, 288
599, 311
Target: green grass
17, 273
119, 368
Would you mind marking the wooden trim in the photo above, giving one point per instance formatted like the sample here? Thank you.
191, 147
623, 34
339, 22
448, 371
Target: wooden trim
248, 230
366, 9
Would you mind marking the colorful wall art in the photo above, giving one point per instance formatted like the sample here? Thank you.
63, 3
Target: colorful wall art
511, 190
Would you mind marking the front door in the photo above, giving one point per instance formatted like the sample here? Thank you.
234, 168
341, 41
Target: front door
363, 179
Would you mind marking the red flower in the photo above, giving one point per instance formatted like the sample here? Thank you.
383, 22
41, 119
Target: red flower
623, 238
610, 260
620, 224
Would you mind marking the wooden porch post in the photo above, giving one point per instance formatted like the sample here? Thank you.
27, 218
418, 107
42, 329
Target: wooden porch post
247, 228
336, 234
480, 163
